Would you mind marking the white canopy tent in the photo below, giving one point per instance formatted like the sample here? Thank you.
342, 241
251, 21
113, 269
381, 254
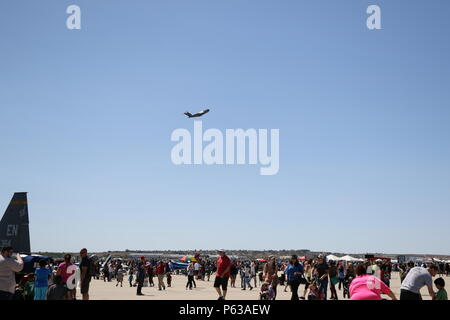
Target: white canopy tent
333, 257
350, 259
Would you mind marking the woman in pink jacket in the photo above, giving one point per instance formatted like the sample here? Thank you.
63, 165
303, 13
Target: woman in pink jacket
368, 287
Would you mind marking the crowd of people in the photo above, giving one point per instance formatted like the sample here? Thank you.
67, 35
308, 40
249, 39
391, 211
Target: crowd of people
305, 279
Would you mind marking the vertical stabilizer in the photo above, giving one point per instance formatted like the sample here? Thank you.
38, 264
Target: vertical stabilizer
14, 229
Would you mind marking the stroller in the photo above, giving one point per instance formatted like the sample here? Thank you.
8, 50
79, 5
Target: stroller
346, 287
267, 292
318, 294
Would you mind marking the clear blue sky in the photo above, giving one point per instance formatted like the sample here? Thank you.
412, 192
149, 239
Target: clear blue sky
86, 118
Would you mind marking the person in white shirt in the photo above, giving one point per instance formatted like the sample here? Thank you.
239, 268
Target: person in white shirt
197, 270
253, 272
190, 273
8, 267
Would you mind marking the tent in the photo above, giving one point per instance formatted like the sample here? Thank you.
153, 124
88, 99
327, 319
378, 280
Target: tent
178, 265
333, 257
350, 258
188, 259
30, 263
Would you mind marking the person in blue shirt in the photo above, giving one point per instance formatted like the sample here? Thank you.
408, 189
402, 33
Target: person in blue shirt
294, 274
41, 283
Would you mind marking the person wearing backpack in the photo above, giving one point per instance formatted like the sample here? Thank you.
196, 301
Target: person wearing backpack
85, 273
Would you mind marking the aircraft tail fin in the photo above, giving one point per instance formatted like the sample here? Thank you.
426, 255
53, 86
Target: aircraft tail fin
14, 226
188, 114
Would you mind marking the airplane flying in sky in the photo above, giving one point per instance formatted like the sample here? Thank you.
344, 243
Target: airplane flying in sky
198, 114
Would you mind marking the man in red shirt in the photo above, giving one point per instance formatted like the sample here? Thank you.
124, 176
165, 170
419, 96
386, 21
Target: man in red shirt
160, 270
222, 274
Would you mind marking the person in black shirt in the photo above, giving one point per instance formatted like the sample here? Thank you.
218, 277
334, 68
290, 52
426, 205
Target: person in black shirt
321, 271
233, 274
140, 276
333, 276
85, 278
58, 290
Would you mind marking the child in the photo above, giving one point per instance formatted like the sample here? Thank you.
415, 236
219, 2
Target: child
130, 277
169, 279
246, 277
58, 290
41, 285
119, 276
314, 292
28, 288
267, 292
442, 293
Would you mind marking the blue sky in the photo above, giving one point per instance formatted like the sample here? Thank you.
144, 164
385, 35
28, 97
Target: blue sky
86, 117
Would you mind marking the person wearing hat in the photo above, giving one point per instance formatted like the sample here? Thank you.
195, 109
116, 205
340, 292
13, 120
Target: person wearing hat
294, 274
222, 274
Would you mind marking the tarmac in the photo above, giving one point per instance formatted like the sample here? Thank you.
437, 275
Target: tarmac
100, 290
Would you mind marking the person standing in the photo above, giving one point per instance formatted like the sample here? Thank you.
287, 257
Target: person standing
233, 274
8, 267
140, 276
119, 275
65, 274
150, 273
294, 273
85, 275
333, 275
417, 278
197, 270
222, 274
130, 276
105, 272
321, 271
168, 273
247, 277
283, 275
308, 276
270, 274
111, 272
341, 275
160, 271
253, 269
169, 279
41, 284
241, 274
208, 270
190, 274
